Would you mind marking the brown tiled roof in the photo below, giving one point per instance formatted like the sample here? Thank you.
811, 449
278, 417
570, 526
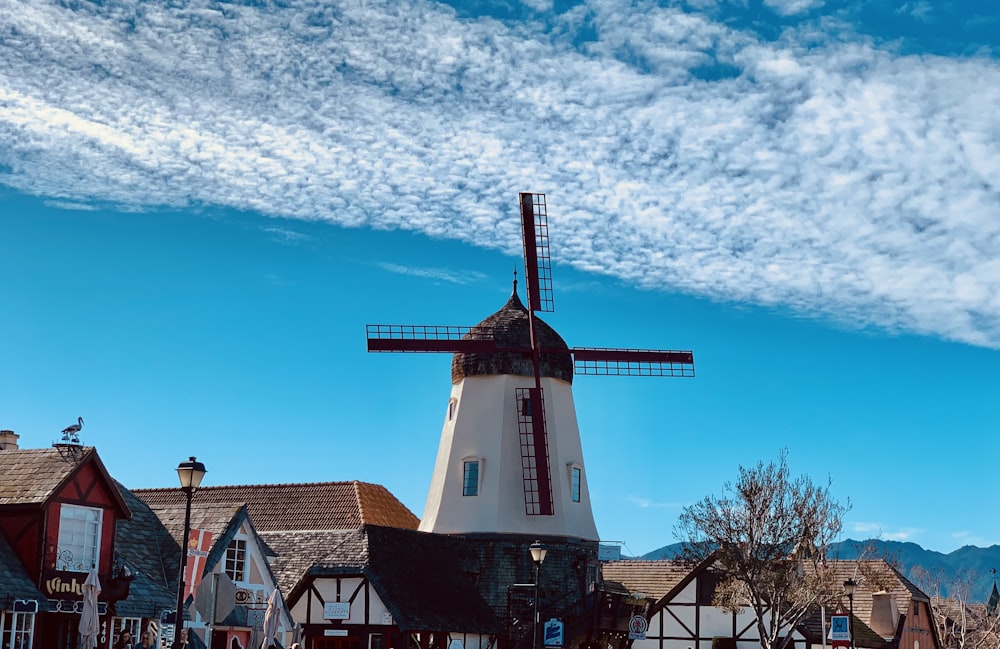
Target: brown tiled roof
286, 507
31, 476
873, 576
812, 629
653, 578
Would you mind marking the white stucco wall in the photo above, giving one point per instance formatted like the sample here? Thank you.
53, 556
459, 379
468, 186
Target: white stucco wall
484, 425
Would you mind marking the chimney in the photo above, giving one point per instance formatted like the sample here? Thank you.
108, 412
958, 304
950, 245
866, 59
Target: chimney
885, 614
8, 440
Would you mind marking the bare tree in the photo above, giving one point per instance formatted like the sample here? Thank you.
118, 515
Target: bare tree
962, 623
769, 533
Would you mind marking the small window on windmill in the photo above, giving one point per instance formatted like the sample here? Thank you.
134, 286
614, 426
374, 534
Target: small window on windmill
575, 481
452, 405
471, 472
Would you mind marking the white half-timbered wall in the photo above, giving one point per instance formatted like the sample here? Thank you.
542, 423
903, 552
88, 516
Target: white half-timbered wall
684, 623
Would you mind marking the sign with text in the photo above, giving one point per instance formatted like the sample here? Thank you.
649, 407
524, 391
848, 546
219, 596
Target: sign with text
199, 543
336, 610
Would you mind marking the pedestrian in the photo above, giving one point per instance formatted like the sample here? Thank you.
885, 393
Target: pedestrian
145, 641
124, 641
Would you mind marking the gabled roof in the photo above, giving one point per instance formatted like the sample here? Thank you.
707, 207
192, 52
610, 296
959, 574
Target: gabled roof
653, 578
31, 476
811, 627
421, 579
288, 507
298, 551
14, 580
873, 576
419, 576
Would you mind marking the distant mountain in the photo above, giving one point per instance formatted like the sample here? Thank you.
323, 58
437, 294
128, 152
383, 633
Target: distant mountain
947, 569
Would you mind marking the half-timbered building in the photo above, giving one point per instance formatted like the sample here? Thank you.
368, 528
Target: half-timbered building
58, 514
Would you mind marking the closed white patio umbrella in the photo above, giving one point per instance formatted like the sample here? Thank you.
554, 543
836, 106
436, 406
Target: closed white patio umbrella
90, 621
271, 618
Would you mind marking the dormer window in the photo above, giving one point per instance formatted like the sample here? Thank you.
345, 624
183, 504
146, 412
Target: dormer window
236, 560
79, 538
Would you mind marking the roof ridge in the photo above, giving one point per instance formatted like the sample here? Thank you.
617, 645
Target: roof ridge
260, 484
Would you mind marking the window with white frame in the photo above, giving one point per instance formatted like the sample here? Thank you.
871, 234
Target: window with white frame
79, 538
236, 560
130, 625
471, 475
17, 628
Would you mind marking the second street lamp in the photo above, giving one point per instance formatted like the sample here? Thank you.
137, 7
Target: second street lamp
190, 474
849, 587
538, 552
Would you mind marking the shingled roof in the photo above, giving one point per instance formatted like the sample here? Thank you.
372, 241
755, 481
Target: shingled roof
297, 552
421, 577
652, 578
287, 507
31, 476
14, 580
509, 327
152, 556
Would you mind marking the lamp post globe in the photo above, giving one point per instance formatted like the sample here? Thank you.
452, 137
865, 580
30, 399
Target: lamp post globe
538, 552
849, 587
190, 474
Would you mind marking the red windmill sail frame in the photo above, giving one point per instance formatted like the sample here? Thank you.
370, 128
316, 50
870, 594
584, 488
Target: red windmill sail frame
601, 361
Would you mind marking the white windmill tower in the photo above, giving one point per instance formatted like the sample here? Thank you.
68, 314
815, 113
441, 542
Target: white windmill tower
510, 459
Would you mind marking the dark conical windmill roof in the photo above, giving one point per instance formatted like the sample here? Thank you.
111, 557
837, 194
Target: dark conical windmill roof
510, 329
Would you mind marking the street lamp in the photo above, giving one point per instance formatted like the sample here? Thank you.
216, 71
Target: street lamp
849, 587
538, 552
190, 474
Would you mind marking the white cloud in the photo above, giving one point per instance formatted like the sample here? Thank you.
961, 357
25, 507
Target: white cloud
820, 174
441, 274
792, 7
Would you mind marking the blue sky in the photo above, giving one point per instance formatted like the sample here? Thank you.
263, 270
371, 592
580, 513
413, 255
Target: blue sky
203, 203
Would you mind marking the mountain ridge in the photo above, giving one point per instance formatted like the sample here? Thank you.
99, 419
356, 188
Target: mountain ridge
968, 562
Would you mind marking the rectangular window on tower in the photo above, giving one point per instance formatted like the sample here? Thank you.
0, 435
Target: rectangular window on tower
576, 476
470, 478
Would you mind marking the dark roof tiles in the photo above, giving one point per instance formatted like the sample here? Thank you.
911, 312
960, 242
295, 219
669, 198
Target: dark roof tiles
510, 329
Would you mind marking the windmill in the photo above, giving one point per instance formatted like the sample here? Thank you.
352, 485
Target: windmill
542, 349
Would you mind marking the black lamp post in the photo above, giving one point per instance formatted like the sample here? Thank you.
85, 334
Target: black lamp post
849, 587
190, 474
538, 552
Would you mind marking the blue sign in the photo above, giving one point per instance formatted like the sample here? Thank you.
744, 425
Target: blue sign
553, 633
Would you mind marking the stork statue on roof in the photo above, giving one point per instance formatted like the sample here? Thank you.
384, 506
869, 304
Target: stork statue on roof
510, 459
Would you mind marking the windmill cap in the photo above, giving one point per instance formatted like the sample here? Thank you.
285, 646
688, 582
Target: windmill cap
510, 329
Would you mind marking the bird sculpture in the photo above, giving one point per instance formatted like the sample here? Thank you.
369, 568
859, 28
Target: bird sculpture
72, 433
